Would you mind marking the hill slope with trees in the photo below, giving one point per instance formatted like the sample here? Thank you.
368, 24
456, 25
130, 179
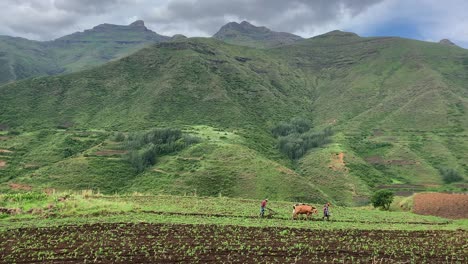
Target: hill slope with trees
397, 109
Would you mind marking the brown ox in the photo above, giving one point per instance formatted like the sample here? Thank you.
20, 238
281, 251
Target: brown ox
303, 209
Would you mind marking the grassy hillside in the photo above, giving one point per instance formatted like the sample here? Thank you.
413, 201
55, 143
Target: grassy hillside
397, 106
22, 58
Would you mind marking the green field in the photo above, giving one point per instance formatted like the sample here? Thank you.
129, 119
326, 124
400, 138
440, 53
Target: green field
358, 233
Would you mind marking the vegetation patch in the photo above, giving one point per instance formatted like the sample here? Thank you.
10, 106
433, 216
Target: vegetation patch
295, 137
144, 147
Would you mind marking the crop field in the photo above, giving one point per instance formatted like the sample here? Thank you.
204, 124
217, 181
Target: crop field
174, 243
453, 206
92, 228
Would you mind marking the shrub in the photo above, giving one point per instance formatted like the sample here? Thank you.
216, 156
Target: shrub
450, 175
144, 147
118, 137
297, 125
13, 133
296, 145
382, 199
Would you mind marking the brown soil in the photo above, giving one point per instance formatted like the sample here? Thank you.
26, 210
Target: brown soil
454, 206
337, 162
403, 186
2, 163
5, 151
178, 243
110, 152
17, 186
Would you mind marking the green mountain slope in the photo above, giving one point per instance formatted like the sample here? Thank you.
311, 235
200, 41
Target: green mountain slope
24, 58
397, 106
246, 34
21, 58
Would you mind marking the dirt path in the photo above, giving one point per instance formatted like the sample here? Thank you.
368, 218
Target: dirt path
337, 162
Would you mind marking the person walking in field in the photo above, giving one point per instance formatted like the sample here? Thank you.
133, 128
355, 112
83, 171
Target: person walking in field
262, 207
326, 211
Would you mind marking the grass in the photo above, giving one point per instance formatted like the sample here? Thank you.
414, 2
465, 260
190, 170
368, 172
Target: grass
91, 207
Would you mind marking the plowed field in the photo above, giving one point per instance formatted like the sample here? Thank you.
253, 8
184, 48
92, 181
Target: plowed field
178, 243
454, 206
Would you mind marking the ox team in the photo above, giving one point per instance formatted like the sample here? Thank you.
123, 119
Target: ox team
301, 208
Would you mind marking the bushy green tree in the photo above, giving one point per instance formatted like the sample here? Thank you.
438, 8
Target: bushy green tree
382, 199
118, 137
450, 175
297, 125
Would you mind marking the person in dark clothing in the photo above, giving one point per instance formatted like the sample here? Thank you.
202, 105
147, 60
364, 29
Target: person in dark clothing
326, 211
262, 207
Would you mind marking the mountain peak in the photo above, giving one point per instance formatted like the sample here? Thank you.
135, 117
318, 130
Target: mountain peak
447, 42
244, 27
339, 33
135, 32
138, 23
244, 33
247, 24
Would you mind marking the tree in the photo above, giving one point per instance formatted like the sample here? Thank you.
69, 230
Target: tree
383, 199
450, 175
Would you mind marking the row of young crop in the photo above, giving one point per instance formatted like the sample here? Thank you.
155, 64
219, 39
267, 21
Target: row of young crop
110, 243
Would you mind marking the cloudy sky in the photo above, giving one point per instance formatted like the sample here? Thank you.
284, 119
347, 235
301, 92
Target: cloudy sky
429, 20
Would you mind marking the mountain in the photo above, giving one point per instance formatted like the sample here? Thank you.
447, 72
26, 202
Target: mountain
397, 106
246, 34
447, 42
21, 58
24, 58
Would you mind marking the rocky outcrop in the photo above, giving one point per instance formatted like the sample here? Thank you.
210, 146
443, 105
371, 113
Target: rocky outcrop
447, 42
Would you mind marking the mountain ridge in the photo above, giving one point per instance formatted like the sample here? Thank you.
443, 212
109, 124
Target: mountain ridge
247, 34
25, 58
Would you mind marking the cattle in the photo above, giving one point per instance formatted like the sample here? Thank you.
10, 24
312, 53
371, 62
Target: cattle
302, 208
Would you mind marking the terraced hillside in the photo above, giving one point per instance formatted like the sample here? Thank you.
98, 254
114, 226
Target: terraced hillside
397, 106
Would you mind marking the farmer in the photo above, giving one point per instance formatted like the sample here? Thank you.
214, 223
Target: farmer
326, 211
262, 207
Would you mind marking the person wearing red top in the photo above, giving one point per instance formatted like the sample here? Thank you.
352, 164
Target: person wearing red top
262, 207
